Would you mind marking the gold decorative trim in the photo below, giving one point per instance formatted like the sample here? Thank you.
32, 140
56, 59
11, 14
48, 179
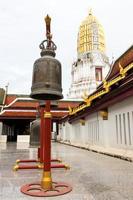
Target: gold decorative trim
104, 114
15, 168
59, 160
106, 89
40, 166
122, 72
46, 182
70, 109
82, 122
47, 115
67, 167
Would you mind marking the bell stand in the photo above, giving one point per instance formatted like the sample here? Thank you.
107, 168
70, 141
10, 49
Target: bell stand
46, 188
40, 155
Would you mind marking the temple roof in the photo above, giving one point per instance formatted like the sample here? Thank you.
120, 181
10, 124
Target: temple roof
26, 114
23, 107
125, 59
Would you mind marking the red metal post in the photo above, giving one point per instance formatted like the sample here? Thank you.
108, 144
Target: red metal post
42, 135
55, 166
46, 182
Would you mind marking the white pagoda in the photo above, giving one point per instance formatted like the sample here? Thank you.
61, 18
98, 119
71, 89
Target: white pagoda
92, 64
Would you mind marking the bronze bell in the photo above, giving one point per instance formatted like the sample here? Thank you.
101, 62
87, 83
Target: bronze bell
46, 79
35, 133
35, 125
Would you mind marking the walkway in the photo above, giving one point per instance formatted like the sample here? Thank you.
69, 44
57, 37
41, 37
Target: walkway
92, 175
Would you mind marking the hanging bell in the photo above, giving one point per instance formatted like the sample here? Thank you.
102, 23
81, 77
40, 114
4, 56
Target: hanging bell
35, 133
46, 79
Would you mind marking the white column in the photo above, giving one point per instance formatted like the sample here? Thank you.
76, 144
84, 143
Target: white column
1, 126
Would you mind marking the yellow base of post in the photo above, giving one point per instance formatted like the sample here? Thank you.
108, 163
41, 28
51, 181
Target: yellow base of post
46, 182
15, 168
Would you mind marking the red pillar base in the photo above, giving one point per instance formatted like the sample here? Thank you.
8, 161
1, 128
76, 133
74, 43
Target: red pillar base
28, 161
40, 166
21, 161
34, 189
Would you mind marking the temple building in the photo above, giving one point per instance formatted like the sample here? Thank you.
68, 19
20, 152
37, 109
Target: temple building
92, 64
103, 122
18, 111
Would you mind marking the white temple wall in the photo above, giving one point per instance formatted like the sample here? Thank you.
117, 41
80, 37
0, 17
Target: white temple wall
120, 125
75, 134
114, 135
91, 133
65, 132
78, 134
62, 132
95, 130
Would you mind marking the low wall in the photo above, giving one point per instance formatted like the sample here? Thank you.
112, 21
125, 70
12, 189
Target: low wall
23, 138
3, 138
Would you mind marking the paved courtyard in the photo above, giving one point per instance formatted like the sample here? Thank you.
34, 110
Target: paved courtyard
93, 176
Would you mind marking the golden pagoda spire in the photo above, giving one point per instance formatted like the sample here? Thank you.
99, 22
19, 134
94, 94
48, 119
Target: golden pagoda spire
91, 35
